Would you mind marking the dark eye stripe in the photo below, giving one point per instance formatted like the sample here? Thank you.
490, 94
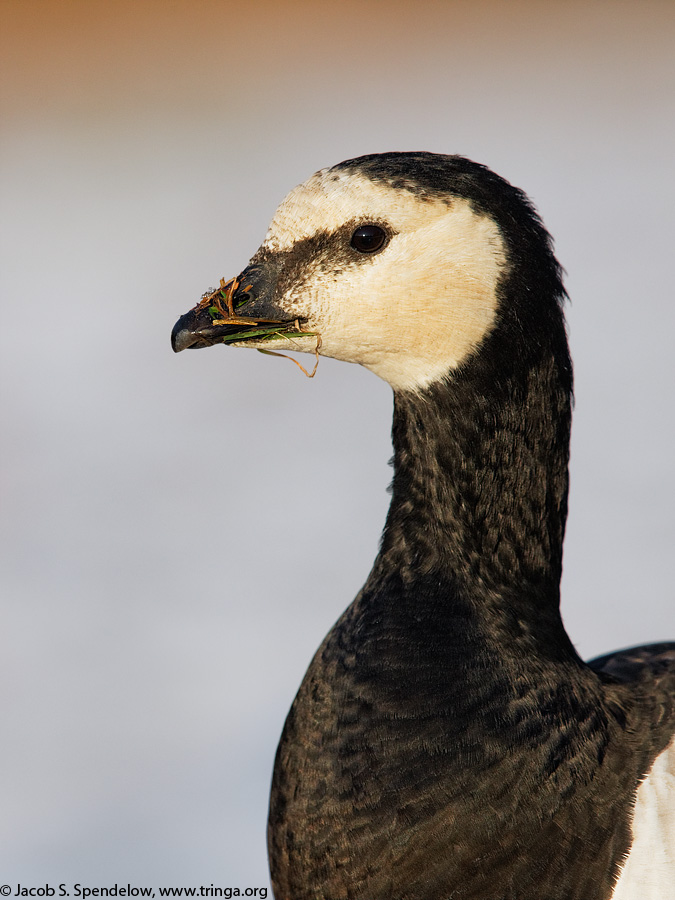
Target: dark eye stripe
368, 238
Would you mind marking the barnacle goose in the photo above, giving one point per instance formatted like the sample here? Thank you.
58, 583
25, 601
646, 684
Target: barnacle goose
447, 740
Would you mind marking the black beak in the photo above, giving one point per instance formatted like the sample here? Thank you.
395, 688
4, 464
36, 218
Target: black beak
239, 307
196, 329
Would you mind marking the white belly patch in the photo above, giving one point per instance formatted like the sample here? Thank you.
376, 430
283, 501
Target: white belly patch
649, 870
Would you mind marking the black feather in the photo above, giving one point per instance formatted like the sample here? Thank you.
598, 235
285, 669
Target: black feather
447, 741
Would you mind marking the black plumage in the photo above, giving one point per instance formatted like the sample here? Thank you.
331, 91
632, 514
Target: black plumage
448, 741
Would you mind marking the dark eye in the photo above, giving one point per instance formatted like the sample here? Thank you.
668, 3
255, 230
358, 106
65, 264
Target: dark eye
368, 238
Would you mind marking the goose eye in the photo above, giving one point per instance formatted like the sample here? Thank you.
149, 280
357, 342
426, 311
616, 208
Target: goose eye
368, 238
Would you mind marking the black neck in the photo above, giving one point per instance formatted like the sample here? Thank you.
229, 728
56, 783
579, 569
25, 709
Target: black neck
480, 488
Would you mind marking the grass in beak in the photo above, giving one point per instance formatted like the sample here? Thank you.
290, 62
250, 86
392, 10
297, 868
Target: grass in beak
260, 331
299, 365
267, 333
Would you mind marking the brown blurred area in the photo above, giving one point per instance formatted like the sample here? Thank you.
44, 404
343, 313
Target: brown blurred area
83, 56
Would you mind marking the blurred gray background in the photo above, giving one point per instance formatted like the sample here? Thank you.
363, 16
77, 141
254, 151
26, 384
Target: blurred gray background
179, 532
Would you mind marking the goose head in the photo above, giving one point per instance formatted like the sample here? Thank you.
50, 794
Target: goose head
402, 262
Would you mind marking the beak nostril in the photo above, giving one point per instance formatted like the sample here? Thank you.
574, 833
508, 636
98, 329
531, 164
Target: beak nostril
243, 295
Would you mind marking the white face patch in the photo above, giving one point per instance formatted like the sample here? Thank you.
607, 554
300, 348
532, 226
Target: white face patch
414, 310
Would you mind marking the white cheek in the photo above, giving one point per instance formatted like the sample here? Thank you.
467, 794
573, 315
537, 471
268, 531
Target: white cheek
420, 310
413, 312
